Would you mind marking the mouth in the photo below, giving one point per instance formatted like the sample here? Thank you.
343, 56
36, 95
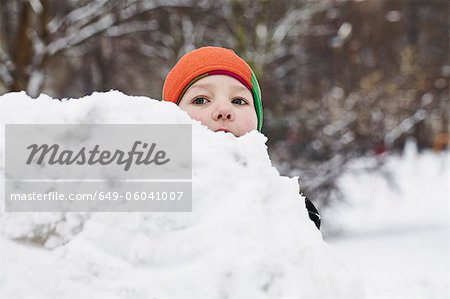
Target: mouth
223, 130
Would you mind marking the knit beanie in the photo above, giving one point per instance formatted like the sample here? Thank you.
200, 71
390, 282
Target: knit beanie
208, 61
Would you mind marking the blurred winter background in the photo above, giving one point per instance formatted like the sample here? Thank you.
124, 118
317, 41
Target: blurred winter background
356, 98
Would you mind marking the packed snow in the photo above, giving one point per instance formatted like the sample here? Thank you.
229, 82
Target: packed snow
248, 235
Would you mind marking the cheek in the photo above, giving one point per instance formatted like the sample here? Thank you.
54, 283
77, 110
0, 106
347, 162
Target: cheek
198, 115
193, 111
249, 122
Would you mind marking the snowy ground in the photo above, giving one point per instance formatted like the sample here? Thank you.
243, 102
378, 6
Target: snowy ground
409, 264
396, 228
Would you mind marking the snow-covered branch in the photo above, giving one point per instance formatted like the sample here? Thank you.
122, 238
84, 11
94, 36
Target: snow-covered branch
98, 17
83, 34
132, 27
405, 125
296, 22
6, 68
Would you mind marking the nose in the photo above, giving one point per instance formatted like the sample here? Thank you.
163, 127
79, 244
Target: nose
223, 111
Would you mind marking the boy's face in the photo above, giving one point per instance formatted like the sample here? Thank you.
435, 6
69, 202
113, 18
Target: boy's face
221, 103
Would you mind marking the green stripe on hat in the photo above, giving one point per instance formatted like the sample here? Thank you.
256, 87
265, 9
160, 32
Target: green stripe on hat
257, 101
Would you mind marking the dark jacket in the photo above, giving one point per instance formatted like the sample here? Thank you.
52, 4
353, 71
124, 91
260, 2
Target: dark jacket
313, 213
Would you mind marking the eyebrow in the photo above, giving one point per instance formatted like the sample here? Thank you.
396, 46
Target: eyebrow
205, 86
240, 88
200, 86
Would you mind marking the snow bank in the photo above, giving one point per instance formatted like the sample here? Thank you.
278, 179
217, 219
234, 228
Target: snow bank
248, 235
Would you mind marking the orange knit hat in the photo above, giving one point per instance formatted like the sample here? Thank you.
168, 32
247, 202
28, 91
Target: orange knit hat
206, 61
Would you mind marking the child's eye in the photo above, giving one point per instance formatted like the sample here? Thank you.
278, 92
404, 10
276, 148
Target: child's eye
239, 101
200, 101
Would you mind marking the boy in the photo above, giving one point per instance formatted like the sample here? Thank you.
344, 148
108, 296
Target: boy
218, 88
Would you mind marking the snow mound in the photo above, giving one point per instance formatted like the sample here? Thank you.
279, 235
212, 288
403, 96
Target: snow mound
248, 235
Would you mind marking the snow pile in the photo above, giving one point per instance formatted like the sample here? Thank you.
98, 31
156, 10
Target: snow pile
248, 236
